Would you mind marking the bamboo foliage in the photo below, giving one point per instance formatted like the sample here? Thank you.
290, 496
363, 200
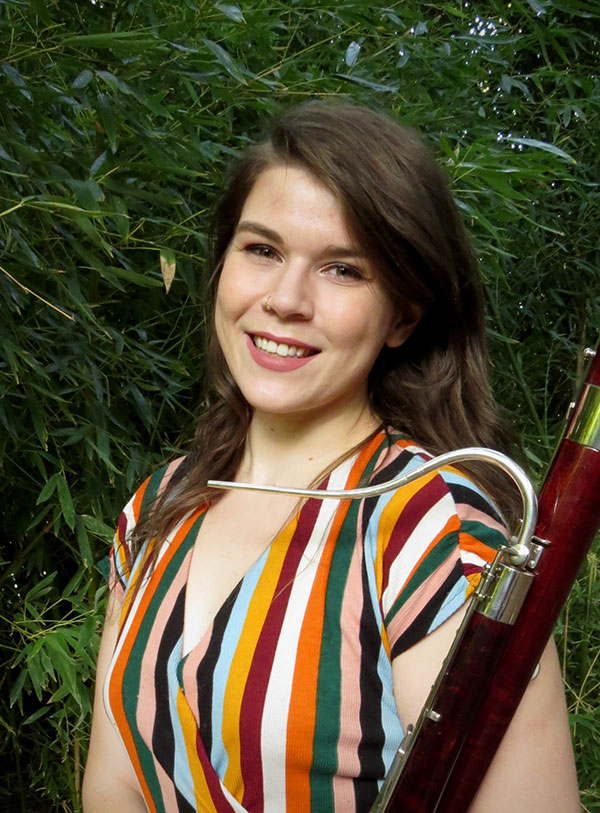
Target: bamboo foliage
117, 122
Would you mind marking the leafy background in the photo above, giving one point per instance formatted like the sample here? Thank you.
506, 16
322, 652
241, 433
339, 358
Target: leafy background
117, 121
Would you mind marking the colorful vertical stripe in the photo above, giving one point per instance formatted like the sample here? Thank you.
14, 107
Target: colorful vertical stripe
286, 703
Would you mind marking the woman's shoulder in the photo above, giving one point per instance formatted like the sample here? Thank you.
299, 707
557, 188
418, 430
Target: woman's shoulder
121, 558
145, 496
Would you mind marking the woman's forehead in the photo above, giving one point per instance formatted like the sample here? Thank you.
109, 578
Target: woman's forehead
298, 187
290, 198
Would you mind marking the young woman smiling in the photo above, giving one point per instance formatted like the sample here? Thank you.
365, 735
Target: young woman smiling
262, 655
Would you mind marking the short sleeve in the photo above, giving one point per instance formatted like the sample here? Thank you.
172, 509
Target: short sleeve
434, 537
122, 561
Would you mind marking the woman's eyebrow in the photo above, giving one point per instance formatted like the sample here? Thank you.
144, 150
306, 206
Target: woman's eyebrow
257, 228
337, 252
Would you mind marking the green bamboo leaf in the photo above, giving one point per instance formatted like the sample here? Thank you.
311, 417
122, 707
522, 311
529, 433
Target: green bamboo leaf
39, 8
106, 460
103, 441
35, 671
87, 227
59, 695
39, 517
7, 420
15, 77
46, 663
98, 163
543, 145
6, 157
104, 567
66, 501
82, 80
41, 587
120, 216
225, 61
39, 421
43, 710
537, 7
114, 83
9, 351
404, 56
501, 337
153, 104
107, 120
74, 435
116, 40
141, 403
85, 550
233, 12
499, 182
17, 687
86, 633
73, 584
118, 340
146, 281
56, 202
60, 657
378, 87
39, 463
98, 527
22, 655
89, 194
352, 52
48, 489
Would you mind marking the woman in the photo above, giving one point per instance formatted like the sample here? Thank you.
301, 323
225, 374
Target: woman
264, 655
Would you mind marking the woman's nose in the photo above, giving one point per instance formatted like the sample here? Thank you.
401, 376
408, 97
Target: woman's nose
290, 295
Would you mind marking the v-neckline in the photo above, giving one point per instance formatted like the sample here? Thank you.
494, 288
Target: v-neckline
204, 638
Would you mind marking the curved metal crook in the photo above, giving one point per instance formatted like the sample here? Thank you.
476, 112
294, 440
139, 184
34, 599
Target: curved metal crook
518, 552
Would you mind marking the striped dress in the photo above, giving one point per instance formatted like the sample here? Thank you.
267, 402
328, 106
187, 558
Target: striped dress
286, 703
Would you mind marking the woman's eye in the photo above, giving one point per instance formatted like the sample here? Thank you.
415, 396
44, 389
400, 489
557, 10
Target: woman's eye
343, 272
261, 251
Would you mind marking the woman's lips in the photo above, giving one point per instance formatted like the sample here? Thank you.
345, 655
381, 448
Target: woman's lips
278, 353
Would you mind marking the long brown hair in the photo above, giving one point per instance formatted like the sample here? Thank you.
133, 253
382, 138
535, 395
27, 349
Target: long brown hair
400, 211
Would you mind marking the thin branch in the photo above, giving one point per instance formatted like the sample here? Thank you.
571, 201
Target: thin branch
37, 296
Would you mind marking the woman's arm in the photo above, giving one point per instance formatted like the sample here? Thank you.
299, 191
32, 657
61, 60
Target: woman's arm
534, 768
109, 777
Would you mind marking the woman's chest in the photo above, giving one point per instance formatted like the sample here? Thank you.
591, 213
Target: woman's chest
234, 536
291, 616
291, 665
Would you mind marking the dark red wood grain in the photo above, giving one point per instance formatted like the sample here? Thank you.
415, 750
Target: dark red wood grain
424, 777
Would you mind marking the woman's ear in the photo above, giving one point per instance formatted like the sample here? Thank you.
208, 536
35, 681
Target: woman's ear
403, 327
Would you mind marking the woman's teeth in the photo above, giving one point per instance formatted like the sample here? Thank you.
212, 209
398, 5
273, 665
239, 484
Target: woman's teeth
269, 346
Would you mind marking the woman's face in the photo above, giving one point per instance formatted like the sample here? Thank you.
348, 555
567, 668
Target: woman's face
301, 314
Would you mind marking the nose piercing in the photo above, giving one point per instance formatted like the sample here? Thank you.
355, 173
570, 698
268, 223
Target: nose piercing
266, 305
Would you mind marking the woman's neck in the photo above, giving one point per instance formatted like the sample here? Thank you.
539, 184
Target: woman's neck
281, 451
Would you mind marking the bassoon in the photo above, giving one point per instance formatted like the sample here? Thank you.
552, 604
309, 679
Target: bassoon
445, 755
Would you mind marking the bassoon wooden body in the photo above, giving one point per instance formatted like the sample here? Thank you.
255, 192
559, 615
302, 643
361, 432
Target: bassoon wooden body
445, 756
483, 681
